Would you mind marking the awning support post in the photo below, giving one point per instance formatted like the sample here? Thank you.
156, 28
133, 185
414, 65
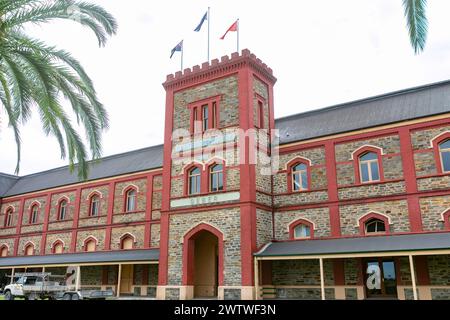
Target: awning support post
119, 278
256, 267
413, 276
322, 282
78, 279
12, 275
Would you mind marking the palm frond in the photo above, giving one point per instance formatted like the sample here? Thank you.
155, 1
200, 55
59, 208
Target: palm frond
417, 23
36, 75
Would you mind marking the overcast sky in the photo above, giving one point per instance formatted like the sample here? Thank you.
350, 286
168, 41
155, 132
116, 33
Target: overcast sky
323, 52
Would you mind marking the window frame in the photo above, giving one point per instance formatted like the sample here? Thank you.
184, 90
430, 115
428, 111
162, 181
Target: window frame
91, 205
90, 240
210, 176
357, 154
25, 249
299, 222
197, 120
55, 244
188, 173
370, 216
2, 248
441, 164
60, 206
127, 197
32, 214
9, 218
125, 237
290, 166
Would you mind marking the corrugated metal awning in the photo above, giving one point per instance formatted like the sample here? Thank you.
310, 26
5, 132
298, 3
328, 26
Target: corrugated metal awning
108, 257
347, 246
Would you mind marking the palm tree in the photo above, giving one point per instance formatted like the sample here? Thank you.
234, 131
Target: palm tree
34, 75
416, 20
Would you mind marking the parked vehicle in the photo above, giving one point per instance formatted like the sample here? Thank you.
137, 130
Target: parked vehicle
41, 285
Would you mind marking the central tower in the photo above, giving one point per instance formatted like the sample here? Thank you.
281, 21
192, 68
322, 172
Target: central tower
218, 211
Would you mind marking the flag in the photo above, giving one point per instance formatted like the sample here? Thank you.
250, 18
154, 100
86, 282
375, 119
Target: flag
234, 27
178, 47
199, 27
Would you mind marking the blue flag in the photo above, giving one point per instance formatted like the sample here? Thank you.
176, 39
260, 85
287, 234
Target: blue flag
178, 47
199, 27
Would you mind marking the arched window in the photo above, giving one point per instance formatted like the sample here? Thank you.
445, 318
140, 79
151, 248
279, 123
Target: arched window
127, 242
94, 206
299, 177
34, 214
58, 247
194, 181
9, 217
375, 226
444, 153
29, 249
302, 231
4, 251
90, 245
62, 210
369, 170
216, 178
130, 200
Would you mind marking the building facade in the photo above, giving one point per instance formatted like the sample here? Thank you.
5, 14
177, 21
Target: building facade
346, 202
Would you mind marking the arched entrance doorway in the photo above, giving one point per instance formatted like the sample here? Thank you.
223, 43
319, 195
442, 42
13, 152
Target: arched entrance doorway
203, 262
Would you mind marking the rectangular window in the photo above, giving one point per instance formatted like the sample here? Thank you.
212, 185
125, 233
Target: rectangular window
446, 161
205, 115
214, 115
364, 172
260, 115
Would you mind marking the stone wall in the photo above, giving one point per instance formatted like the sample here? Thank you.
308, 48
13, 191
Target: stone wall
54, 209
119, 195
226, 221
320, 217
136, 231
397, 211
85, 201
66, 238
432, 209
264, 227
98, 234
301, 273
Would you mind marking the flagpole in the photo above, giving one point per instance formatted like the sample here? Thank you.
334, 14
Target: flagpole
209, 19
238, 35
182, 52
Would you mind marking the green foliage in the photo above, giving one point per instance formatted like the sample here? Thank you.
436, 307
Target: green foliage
34, 76
416, 20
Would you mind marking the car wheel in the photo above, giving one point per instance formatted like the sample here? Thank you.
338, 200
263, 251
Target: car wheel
31, 297
67, 296
75, 297
8, 295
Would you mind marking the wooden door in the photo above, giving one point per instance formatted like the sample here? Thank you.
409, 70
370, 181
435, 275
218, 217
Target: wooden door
126, 281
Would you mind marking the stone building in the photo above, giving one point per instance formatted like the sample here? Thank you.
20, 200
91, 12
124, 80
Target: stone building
346, 202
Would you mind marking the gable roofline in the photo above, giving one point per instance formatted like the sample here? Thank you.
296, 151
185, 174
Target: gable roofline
365, 100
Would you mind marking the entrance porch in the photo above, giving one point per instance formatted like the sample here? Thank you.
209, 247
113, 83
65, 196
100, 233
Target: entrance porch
383, 267
131, 273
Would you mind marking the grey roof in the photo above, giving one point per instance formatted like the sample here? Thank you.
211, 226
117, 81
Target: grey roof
6, 182
408, 104
409, 242
393, 107
81, 258
129, 162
